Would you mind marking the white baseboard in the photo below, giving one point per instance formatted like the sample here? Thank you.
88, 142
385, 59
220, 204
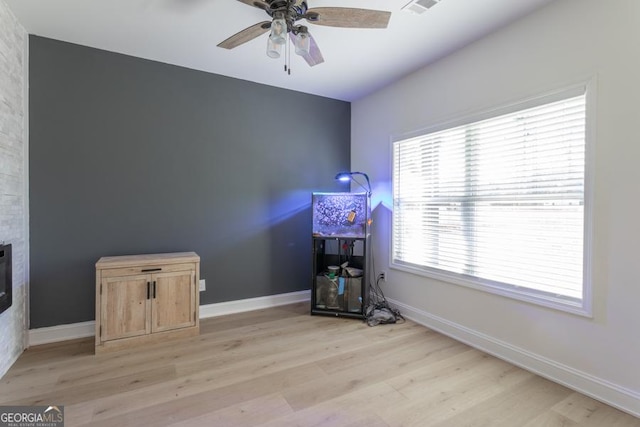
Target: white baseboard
87, 329
61, 333
250, 304
612, 394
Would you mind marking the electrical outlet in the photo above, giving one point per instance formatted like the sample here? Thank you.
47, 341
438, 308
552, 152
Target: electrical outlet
203, 285
383, 276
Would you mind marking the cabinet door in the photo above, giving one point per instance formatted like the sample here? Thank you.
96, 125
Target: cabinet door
173, 300
125, 307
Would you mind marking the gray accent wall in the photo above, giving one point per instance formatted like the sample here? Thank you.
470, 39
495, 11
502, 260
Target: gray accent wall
132, 156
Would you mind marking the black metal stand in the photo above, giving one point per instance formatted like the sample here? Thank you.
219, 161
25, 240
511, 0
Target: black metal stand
339, 276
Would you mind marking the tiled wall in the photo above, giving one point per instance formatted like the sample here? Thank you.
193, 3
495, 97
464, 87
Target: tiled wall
13, 178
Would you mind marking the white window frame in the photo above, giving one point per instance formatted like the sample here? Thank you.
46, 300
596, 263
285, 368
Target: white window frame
582, 307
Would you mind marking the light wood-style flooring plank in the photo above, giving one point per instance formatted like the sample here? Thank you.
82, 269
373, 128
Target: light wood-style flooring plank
282, 367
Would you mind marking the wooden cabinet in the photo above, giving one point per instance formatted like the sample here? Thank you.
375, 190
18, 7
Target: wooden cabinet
146, 298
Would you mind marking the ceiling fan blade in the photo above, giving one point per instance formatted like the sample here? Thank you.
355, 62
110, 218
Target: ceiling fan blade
246, 35
348, 17
260, 4
314, 57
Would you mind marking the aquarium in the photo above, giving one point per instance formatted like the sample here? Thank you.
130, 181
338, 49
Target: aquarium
340, 214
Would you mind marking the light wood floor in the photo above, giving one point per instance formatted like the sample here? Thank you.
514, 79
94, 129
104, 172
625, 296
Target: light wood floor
282, 367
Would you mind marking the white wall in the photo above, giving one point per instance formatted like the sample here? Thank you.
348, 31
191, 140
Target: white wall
13, 180
562, 43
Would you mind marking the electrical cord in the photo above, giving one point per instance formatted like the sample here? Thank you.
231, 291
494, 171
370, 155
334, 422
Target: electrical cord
378, 310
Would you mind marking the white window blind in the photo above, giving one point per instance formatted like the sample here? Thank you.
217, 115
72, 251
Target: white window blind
499, 202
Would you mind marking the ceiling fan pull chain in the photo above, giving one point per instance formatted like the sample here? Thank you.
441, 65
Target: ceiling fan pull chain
287, 55
287, 51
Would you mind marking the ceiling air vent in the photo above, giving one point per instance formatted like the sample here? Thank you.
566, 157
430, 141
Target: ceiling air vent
420, 6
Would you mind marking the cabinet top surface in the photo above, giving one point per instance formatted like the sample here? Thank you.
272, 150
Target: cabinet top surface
132, 260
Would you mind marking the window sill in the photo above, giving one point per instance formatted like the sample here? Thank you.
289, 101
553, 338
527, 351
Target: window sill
569, 305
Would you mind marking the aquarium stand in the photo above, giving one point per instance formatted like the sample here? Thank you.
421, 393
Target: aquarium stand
339, 277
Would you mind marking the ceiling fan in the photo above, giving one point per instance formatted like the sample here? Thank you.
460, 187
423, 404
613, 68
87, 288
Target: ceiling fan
284, 16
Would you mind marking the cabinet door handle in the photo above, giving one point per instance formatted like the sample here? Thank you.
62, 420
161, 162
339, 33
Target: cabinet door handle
147, 270
148, 290
154, 289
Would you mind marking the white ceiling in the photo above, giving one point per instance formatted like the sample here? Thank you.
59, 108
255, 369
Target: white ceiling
186, 32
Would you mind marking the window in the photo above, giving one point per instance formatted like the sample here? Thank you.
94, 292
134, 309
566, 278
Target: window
499, 203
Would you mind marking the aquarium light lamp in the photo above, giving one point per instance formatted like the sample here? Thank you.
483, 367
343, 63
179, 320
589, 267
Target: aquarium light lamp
349, 176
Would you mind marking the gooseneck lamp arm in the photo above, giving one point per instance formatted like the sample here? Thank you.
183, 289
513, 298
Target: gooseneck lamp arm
349, 176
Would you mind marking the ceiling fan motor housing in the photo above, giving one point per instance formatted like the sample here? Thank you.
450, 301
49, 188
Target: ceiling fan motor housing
292, 10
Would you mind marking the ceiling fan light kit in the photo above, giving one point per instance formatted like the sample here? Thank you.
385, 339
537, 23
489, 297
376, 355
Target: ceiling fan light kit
284, 15
302, 43
278, 29
273, 49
